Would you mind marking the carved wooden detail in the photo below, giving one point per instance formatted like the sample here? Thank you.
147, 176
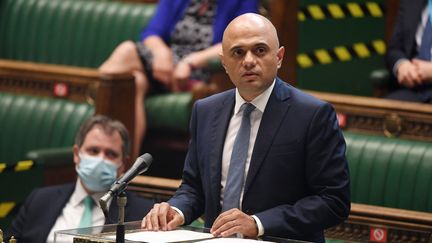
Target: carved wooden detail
359, 232
382, 117
396, 225
76, 92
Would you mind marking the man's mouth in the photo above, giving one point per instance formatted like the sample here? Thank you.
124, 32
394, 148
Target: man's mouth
249, 74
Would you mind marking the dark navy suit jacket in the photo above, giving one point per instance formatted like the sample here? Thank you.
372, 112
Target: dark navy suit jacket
42, 207
402, 43
298, 179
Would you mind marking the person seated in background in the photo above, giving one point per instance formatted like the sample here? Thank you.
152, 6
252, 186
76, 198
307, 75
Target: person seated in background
409, 52
264, 158
101, 148
175, 48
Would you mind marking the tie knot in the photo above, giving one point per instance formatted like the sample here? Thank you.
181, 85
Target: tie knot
88, 202
248, 108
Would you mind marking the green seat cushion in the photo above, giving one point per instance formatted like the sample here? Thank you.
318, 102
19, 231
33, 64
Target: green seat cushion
169, 111
390, 172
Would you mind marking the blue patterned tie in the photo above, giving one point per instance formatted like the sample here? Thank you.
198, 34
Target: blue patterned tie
86, 218
426, 41
238, 160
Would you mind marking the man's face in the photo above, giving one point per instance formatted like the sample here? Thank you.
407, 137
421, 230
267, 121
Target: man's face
251, 56
100, 144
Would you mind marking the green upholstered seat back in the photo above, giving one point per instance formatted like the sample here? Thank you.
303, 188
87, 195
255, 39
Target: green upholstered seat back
68, 32
169, 111
29, 122
390, 172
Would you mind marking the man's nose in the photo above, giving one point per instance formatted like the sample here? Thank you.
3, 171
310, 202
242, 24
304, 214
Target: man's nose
102, 155
249, 60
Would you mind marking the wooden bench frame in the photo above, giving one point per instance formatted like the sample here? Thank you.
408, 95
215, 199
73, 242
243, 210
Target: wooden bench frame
381, 117
396, 225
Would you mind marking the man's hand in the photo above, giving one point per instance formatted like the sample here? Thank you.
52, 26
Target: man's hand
408, 75
424, 68
161, 217
234, 221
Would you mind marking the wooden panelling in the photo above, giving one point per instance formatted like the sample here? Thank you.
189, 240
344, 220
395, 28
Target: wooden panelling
382, 117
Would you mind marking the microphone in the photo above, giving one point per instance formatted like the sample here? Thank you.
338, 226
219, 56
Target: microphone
141, 165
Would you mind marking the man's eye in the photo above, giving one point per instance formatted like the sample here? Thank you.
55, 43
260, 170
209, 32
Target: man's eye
260, 51
238, 52
112, 155
93, 151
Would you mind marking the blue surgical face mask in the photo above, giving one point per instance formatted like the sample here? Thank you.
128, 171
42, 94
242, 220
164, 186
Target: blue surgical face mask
96, 173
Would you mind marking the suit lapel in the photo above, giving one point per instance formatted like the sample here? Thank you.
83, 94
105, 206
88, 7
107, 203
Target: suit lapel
56, 205
220, 122
417, 10
274, 114
413, 17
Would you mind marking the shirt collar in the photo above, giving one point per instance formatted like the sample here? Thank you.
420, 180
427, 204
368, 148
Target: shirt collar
260, 102
80, 193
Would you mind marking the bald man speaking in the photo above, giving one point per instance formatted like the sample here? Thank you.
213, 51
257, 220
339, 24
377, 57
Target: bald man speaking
264, 158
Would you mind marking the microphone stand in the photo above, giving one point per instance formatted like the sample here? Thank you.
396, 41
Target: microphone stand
118, 189
120, 230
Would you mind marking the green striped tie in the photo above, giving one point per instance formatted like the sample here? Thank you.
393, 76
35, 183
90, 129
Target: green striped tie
86, 218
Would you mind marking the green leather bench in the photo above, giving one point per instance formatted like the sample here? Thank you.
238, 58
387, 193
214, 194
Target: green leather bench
29, 123
391, 190
83, 33
390, 172
36, 132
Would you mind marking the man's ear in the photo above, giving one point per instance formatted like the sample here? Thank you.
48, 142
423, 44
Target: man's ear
280, 54
76, 155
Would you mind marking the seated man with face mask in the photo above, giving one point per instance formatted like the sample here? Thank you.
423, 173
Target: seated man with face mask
101, 147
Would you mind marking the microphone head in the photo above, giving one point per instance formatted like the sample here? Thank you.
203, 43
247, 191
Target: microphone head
143, 162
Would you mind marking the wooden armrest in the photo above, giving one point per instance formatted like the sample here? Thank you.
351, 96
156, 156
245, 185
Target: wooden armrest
392, 216
157, 188
381, 116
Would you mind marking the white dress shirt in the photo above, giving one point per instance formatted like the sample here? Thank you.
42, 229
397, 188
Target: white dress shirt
72, 212
260, 103
422, 25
